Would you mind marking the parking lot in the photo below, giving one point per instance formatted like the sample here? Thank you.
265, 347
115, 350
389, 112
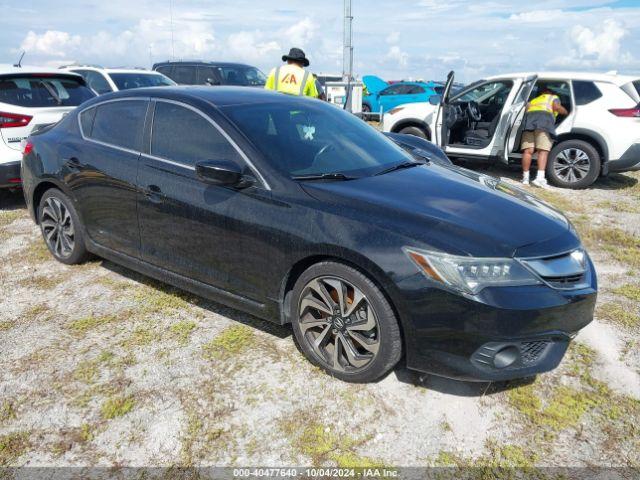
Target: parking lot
101, 366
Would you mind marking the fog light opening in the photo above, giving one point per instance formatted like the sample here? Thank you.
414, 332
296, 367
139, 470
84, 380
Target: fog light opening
506, 357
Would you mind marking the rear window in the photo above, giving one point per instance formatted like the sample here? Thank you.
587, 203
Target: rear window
116, 123
585, 92
633, 90
125, 81
43, 91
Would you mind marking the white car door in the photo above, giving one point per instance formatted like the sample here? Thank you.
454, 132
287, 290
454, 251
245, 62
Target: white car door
436, 122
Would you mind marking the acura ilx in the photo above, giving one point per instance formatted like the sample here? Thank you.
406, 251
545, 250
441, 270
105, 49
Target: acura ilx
300, 213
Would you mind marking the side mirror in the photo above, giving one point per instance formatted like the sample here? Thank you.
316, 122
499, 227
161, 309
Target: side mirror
435, 99
223, 173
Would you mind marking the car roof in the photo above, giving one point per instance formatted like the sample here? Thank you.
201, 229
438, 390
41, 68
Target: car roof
218, 96
201, 62
610, 77
111, 70
7, 69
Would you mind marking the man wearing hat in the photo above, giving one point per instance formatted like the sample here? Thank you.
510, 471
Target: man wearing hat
291, 78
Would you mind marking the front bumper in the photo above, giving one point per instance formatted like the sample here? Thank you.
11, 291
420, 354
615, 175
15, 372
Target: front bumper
628, 162
10, 175
511, 333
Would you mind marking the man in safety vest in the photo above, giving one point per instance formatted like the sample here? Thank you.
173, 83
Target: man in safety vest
292, 78
539, 132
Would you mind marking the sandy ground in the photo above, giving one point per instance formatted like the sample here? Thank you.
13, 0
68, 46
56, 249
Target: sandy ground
100, 366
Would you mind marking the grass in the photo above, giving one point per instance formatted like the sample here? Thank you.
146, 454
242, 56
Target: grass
13, 446
182, 331
619, 206
91, 322
10, 216
41, 282
7, 411
617, 314
623, 246
141, 337
314, 440
117, 406
493, 464
158, 298
231, 341
558, 200
630, 291
6, 325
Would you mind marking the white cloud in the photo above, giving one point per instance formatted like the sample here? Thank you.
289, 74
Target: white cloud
537, 16
601, 45
398, 56
52, 42
299, 34
393, 38
252, 46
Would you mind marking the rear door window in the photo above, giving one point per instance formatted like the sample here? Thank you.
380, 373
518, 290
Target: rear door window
43, 91
184, 74
208, 76
185, 136
585, 92
118, 123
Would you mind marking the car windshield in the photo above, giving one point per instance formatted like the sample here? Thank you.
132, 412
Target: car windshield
244, 76
125, 81
308, 137
43, 91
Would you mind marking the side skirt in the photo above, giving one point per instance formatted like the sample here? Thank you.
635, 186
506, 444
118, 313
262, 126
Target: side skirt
198, 288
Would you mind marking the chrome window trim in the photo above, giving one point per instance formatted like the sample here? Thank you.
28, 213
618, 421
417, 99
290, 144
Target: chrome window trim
170, 162
226, 136
105, 144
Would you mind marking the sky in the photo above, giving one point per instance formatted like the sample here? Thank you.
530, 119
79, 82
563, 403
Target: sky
395, 39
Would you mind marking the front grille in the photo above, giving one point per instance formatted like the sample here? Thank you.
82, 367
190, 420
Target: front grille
531, 351
569, 281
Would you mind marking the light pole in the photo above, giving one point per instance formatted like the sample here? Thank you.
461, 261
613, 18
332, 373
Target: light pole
347, 53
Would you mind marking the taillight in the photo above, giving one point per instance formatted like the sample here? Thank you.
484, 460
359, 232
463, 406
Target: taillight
10, 120
626, 112
28, 148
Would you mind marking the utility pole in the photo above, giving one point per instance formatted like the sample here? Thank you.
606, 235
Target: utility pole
347, 53
173, 51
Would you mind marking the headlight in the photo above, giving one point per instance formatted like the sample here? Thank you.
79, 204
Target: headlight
469, 274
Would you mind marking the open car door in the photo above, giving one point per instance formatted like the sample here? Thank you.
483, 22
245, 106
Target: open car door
438, 125
515, 115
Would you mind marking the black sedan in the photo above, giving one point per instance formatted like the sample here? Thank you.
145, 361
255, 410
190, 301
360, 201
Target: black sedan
297, 212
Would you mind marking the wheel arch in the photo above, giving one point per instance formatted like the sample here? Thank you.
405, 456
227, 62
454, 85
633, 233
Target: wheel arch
351, 259
412, 122
40, 190
589, 136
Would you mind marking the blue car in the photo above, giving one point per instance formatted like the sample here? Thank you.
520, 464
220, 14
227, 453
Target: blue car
381, 96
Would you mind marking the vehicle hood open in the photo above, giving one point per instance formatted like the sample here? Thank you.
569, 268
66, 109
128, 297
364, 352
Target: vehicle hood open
454, 210
374, 84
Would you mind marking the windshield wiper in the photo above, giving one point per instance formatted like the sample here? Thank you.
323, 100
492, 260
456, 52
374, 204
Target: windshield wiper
324, 176
400, 166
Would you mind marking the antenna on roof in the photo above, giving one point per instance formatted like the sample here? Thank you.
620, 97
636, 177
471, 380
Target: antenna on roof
19, 64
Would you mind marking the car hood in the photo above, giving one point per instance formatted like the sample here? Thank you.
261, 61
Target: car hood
453, 210
374, 84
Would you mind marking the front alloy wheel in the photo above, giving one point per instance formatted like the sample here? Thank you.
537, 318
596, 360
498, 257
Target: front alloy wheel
344, 323
339, 324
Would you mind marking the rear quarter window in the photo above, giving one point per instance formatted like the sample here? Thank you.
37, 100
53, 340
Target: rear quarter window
43, 91
585, 92
118, 123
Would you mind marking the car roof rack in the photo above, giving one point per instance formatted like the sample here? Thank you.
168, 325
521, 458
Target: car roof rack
92, 65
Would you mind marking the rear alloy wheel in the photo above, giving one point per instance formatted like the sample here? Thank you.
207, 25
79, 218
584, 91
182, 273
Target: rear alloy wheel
573, 164
60, 228
344, 324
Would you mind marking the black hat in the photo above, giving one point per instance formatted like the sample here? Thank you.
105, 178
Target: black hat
296, 55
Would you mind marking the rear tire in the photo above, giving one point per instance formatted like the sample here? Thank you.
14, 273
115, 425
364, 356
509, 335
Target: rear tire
61, 228
344, 324
416, 131
573, 164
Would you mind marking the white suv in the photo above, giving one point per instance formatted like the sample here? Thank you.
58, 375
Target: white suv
601, 133
106, 80
31, 97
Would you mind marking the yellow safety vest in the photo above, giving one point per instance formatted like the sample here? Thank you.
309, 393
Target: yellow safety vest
543, 103
292, 80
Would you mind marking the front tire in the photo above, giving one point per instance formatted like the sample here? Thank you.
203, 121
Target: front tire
344, 324
573, 164
415, 131
61, 228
